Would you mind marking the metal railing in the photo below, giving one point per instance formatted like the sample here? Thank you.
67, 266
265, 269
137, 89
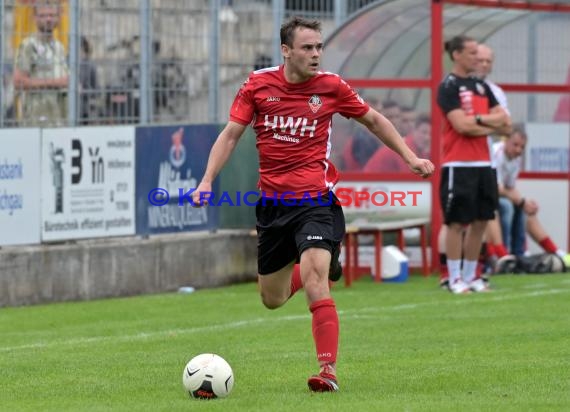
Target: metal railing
154, 61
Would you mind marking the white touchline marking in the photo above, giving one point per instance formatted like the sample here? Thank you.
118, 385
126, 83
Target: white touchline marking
357, 313
535, 286
145, 335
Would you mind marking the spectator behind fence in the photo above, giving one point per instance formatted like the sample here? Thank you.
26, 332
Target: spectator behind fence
468, 187
89, 84
41, 72
386, 160
517, 213
7, 104
295, 161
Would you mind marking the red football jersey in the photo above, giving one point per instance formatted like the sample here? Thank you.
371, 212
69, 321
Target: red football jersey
293, 123
473, 96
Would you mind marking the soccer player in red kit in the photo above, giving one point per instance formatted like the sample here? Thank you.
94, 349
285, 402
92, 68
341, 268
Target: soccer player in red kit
299, 220
468, 186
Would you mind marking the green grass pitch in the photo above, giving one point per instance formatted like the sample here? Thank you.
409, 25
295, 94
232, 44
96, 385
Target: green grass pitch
404, 347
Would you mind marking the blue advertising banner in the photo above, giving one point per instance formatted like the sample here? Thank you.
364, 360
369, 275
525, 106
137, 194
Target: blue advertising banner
170, 161
19, 186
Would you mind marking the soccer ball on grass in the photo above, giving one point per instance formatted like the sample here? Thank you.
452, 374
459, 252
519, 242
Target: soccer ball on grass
208, 376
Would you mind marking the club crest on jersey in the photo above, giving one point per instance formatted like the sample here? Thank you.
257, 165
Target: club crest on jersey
480, 88
315, 103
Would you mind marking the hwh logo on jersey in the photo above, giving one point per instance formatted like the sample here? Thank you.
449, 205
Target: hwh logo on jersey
290, 125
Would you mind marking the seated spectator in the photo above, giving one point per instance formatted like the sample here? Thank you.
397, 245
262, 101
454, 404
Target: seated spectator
407, 120
419, 140
518, 214
360, 146
391, 110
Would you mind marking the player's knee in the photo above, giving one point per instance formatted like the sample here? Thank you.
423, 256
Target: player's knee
271, 301
317, 287
314, 282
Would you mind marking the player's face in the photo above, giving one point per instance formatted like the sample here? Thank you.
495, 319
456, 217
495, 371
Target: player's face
467, 58
514, 147
304, 57
47, 19
484, 61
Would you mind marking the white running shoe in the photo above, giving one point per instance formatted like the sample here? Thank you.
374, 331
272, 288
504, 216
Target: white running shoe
459, 287
478, 285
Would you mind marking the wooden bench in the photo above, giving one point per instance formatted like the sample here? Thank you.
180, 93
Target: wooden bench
351, 269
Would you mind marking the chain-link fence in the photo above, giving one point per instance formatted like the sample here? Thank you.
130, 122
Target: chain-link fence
139, 61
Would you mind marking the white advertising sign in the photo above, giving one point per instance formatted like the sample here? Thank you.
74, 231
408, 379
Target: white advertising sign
19, 186
370, 202
88, 177
547, 147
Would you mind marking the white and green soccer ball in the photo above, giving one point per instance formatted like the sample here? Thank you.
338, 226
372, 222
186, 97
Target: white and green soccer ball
208, 376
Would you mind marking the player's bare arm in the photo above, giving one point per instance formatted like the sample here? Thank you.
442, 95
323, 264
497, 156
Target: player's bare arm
387, 133
219, 155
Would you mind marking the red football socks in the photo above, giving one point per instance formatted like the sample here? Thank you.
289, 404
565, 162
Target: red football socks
498, 250
296, 282
325, 330
501, 250
548, 245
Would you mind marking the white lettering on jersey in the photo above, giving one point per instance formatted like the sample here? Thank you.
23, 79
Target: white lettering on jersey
284, 124
309, 128
268, 125
466, 97
290, 125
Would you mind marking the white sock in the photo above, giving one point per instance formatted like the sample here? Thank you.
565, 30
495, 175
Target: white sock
561, 253
454, 269
469, 270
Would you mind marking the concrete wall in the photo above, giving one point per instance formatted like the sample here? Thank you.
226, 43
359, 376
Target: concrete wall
125, 266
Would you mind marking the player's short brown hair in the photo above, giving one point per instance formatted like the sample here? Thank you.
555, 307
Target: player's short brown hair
288, 28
